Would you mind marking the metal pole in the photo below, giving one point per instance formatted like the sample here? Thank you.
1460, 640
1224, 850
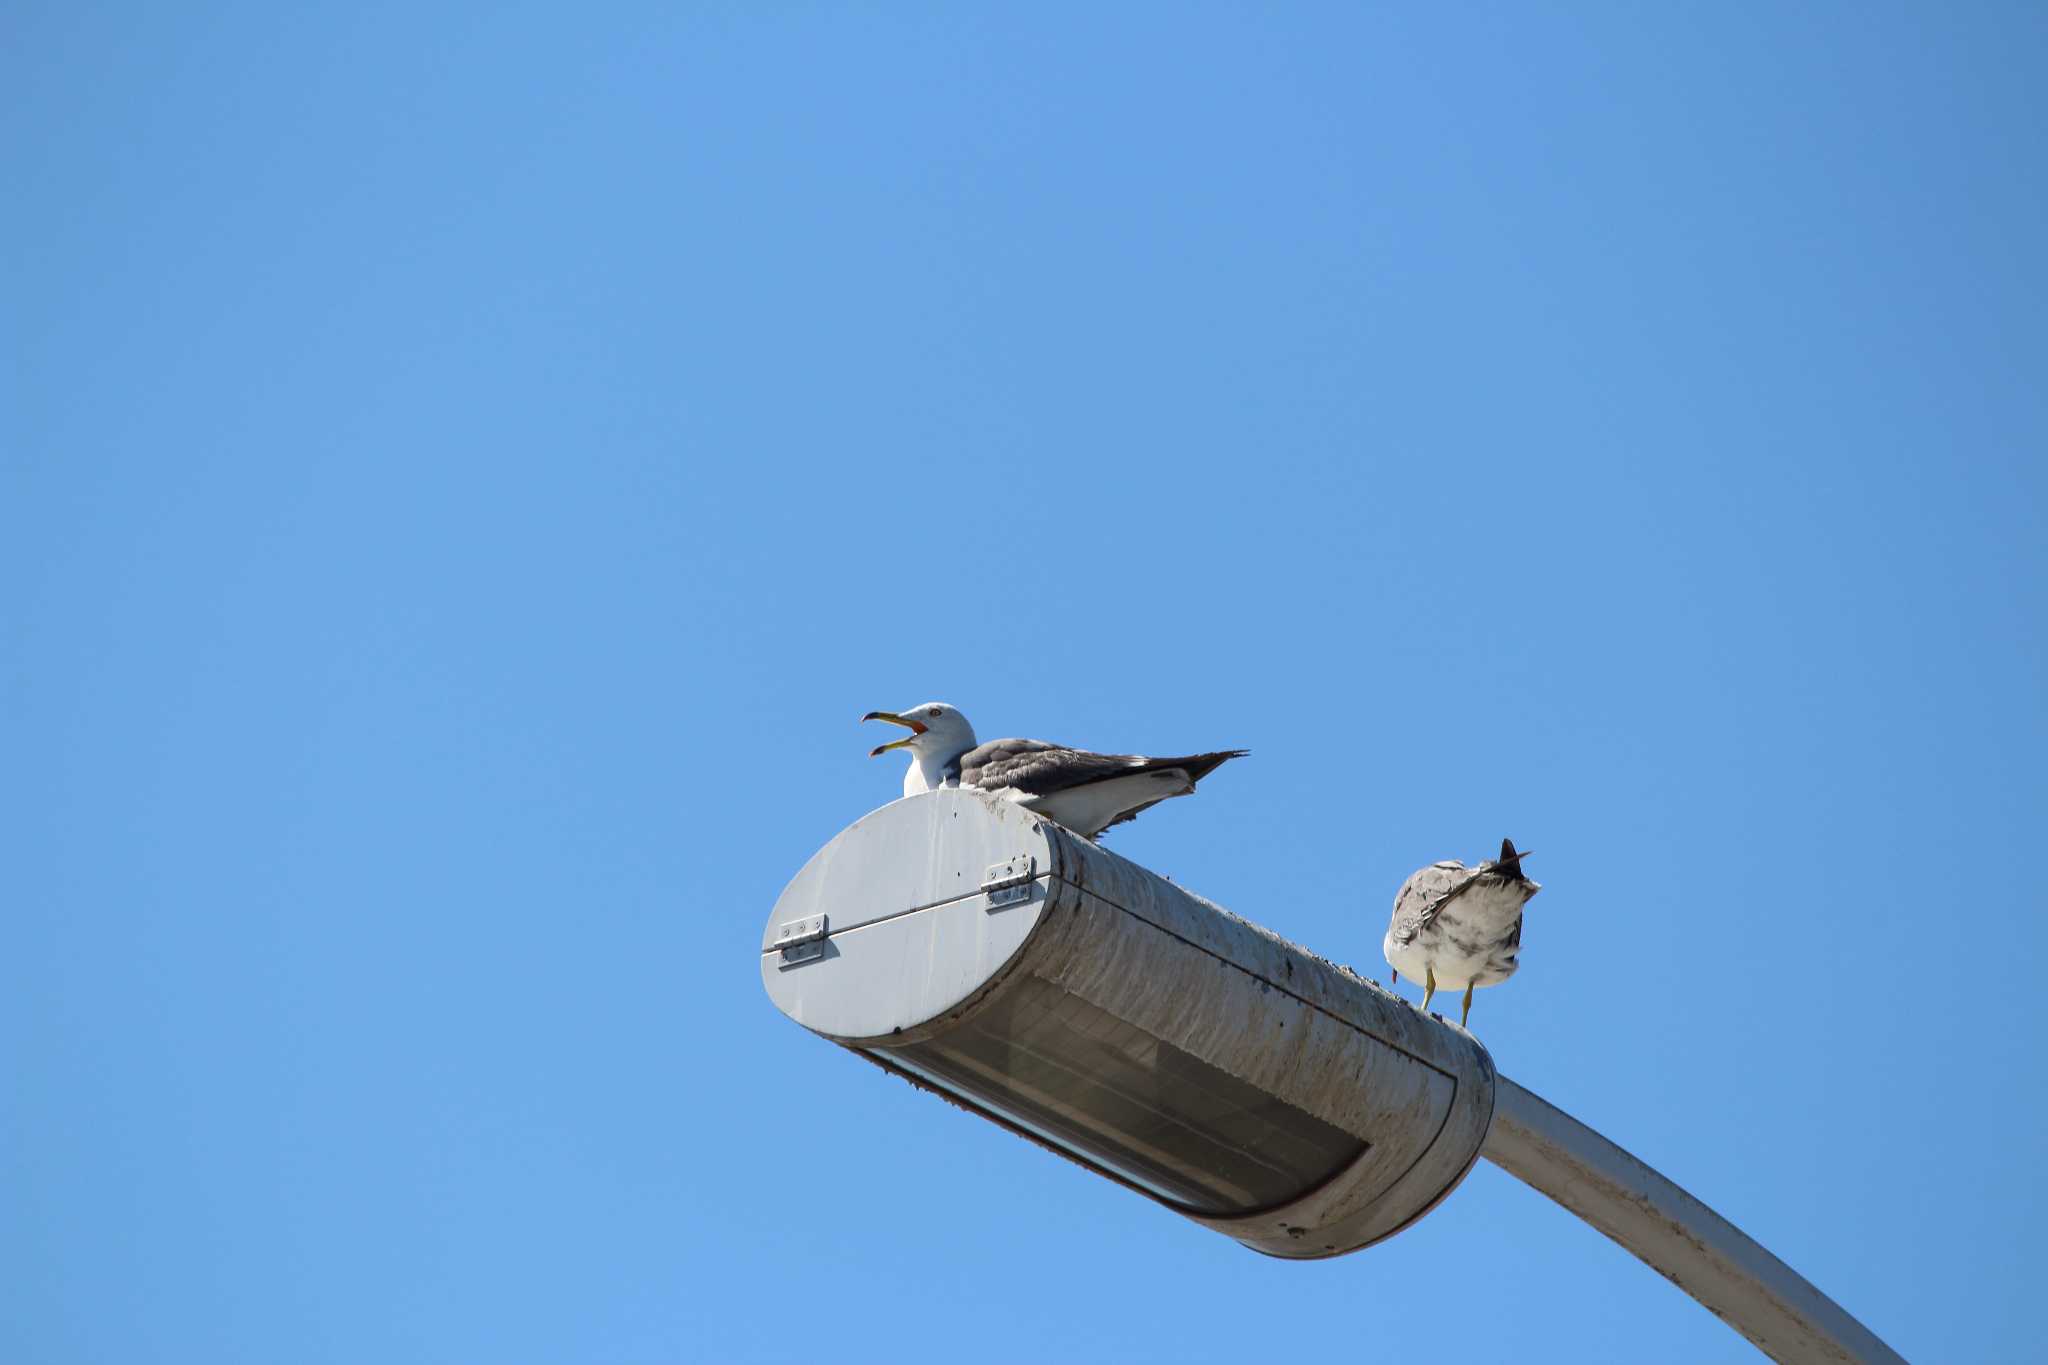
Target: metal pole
1675, 1234
1090, 1005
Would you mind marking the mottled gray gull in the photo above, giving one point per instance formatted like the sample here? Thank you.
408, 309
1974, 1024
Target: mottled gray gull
1455, 926
1086, 792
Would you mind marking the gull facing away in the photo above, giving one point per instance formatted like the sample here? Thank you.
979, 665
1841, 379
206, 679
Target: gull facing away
1086, 792
1456, 927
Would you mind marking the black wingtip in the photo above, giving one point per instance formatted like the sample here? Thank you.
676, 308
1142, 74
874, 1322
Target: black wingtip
1200, 766
1507, 851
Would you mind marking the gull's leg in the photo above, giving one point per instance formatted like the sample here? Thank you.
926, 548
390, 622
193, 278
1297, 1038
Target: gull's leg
1428, 986
1395, 979
1466, 1013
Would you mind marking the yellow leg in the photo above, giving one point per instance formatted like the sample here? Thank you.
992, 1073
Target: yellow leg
1466, 1013
1428, 987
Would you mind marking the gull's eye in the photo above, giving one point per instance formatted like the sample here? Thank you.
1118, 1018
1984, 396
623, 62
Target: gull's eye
933, 712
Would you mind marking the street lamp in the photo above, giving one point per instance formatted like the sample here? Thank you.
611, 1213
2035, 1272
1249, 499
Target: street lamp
1079, 1000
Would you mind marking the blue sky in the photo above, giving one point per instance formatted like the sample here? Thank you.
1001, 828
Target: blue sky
463, 472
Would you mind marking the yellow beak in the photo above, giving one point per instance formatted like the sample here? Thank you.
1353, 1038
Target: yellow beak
890, 716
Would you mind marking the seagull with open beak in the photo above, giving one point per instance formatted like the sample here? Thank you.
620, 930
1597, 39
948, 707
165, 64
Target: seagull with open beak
938, 736
1085, 791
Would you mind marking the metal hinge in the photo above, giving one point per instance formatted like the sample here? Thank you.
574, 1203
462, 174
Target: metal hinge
801, 940
1006, 883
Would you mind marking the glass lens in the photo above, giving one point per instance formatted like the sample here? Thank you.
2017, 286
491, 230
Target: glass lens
1087, 1081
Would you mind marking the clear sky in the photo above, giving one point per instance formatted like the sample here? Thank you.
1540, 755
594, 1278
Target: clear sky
463, 472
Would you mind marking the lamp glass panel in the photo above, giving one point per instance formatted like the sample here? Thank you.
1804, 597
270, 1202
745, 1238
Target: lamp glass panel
1086, 1080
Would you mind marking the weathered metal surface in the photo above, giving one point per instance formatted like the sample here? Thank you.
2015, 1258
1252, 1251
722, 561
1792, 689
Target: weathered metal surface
1008, 882
912, 938
906, 856
917, 941
1676, 1235
1263, 1009
1167, 963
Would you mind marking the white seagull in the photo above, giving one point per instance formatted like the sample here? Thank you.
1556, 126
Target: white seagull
1455, 926
1086, 792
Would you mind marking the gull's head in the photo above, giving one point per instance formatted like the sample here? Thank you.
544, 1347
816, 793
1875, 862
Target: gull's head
936, 731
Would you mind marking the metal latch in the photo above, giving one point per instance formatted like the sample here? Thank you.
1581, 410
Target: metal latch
1008, 882
801, 940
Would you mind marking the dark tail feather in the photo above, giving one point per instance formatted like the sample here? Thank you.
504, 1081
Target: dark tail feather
1198, 766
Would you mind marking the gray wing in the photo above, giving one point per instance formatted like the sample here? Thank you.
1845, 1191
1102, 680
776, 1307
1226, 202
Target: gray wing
1423, 897
1035, 768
